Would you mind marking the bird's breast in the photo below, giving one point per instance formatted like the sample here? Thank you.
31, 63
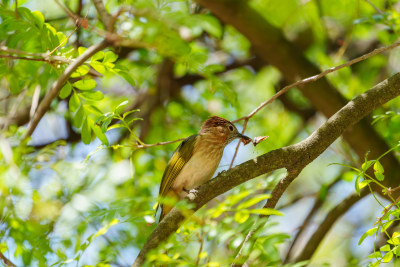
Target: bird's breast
199, 169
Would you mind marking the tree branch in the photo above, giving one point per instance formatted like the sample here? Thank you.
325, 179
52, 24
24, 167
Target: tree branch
317, 204
6, 261
323, 229
274, 48
59, 83
104, 16
294, 157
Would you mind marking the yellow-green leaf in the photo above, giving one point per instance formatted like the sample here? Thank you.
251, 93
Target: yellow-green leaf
86, 84
252, 201
80, 71
266, 211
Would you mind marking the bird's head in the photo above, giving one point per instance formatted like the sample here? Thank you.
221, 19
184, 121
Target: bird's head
222, 130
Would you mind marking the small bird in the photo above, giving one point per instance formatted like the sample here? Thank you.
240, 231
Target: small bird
196, 159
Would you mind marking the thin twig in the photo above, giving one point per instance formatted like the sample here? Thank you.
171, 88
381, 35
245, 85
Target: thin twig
318, 76
374, 6
29, 58
59, 83
35, 56
158, 144
6, 261
238, 145
201, 240
386, 210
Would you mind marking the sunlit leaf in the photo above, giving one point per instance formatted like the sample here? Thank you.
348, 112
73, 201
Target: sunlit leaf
65, 91
85, 84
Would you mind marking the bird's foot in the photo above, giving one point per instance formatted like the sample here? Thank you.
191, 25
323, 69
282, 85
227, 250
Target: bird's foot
194, 191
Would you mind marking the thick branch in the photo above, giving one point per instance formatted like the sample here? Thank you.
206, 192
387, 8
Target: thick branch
296, 156
59, 83
271, 45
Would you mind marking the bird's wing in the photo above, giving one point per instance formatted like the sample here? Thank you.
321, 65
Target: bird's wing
180, 157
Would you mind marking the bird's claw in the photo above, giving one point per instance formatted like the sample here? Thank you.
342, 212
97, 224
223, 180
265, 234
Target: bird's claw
193, 191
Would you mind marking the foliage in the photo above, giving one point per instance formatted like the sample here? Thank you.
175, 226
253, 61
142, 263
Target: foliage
80, 190
389, 216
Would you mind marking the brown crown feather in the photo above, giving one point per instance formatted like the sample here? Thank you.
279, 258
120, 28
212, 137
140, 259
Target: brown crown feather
215, 121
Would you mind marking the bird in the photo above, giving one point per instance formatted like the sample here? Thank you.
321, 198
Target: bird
196, 159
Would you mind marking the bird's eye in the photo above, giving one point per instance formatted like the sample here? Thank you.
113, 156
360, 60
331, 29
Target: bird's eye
231, 128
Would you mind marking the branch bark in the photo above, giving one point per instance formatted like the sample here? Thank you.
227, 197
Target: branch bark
293, 158
104, 16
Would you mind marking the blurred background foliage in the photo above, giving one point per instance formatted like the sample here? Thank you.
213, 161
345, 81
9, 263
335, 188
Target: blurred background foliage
80, 191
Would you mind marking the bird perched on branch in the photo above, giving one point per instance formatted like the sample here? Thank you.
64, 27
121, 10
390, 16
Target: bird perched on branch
196, 159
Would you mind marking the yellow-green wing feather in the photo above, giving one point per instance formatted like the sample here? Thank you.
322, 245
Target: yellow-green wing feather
180, 157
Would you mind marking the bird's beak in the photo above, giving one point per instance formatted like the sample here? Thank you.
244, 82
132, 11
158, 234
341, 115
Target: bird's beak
244, 138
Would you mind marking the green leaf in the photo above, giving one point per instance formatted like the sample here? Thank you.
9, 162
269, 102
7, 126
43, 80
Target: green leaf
97, 131
367, 233
241, 216
385, 226
210, 24
379, 176
39, 19
396, 235
3, 247
252, 201
213, 68
364, 183
81, 50
74, 103
266, 211
86, 132
367, 164
85, 84
98, 67
104, 229
357, 185
118, 109
98, 56
129, 112
78, 117
129, 121
105, 124
126, 76
385, 248
110, 57
378, 167
80, 71
375, 255
65, 91
114, 126
93, 109
388, 257
92, 95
